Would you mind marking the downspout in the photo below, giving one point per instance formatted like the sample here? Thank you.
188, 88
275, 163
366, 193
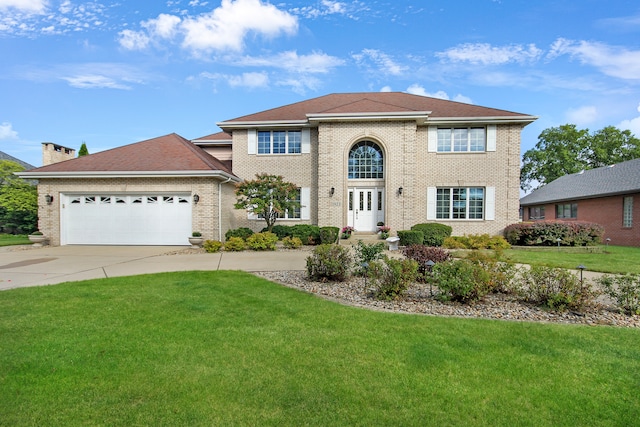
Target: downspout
220, 207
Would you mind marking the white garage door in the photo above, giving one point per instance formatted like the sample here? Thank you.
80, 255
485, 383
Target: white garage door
139, 219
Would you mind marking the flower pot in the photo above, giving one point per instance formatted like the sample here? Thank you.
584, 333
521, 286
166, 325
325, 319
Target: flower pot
196, 242
37, 239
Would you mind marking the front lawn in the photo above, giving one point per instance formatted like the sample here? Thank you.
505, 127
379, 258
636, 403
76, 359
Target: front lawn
229, 348
14, 239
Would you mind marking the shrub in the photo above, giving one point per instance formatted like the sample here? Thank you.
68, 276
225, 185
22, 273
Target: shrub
410, 237
433, 233
281, 231
502, 274
624, 289
262, 241
329, 262
212, 246
461, 280
309, 234
476, 241
196, 234
421, 254
242, 232
329, 234
291, 242
392, 277
235, 244
556, 288
547, 233
367, 253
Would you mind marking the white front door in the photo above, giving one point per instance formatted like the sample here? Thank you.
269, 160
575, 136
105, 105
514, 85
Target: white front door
365, 208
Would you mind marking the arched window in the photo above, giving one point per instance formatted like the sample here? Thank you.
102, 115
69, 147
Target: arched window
366, 161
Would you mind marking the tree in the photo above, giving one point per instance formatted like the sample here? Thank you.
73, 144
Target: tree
566, 149
18, 200
267, 196
83, 151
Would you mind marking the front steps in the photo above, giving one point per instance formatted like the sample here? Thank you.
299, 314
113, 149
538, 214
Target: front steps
368, 238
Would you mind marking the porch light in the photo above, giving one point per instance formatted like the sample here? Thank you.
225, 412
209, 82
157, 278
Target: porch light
48, 198
196, 199
333, 190
400, 191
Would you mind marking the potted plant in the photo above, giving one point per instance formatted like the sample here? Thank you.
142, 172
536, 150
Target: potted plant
196, 239
345, 233
383, 231
37, 238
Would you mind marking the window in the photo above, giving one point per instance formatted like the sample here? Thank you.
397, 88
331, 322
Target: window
280, 142
567, 210
461, 139
536, 212
366, 161
627, 212
460, 203
296, 211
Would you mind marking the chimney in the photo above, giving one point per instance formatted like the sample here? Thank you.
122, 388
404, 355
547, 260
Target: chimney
53, 153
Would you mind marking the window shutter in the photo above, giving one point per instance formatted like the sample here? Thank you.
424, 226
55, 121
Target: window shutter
432, 136
306, 141
491, 137
431, 203
252, 141
305, 200
252, 216
490, 204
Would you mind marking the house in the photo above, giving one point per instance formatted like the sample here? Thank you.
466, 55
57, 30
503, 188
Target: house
5, 156
603, 195
358, 159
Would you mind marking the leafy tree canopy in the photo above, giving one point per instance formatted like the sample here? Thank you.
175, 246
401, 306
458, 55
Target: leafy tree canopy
566, 149
268, 196
18, 200
83, 151
7, 168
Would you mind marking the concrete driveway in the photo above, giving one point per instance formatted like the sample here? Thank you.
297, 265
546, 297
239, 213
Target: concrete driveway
27, 266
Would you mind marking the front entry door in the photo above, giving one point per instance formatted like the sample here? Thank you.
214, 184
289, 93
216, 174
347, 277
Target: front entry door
365, 208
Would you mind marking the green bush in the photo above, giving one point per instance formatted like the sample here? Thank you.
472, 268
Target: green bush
291, 242
367, 253
329, 234
329, 262
433, 233
262, 241
476, 241
556, 288
242, 232
625, 290
502, 274
212, 246
547, 233
392, 277
410, 237
461, 280
281, 231
309, 234
421, 254
235, 244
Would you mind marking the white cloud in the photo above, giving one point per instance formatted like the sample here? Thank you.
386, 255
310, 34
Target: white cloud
386, 89
485, 54
35, 6
133, 40
383, 63
613, 61
633, 124
583, 115
249, 80
7, 132
292, 62
95, 81
330, 7
164, 26
416, 89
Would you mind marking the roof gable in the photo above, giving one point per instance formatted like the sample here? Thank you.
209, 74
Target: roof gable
620, 178
165, 153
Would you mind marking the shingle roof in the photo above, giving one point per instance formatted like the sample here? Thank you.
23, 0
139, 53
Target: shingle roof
5, 156
165, 153
374, 102
214, 137
620, 178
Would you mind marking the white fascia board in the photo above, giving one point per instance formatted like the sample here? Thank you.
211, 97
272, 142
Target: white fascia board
419, 116
483, 120
263, 124
129, 174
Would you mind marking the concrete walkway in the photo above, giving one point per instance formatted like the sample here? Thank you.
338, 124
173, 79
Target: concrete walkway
27, 266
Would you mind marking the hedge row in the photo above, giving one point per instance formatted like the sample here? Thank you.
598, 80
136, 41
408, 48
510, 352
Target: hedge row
547, 233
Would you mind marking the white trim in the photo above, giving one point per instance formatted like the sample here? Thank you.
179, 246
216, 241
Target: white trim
432, 143
306, 141
490, 204
491, 137
431, 203
305, 203
252, 141
129, 174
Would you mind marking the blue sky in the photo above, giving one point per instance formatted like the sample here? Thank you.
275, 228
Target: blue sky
113, 73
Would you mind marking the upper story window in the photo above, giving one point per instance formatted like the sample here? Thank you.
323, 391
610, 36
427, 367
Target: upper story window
280, 142
465, 139
366, 161
567, 210
536, 212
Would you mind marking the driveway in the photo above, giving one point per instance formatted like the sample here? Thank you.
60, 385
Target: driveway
27, 266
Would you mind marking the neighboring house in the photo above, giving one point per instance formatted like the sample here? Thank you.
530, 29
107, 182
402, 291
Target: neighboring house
358, 158
603, 195
5, 156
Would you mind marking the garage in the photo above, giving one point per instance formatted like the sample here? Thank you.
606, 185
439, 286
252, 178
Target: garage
125, 219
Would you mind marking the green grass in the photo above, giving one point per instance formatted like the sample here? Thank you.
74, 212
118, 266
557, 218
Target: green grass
613, 259
228, 348
11, 239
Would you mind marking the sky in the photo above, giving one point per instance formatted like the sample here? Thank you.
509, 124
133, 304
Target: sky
113, 73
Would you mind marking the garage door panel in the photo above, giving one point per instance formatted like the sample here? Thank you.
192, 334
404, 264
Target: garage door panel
140, 219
